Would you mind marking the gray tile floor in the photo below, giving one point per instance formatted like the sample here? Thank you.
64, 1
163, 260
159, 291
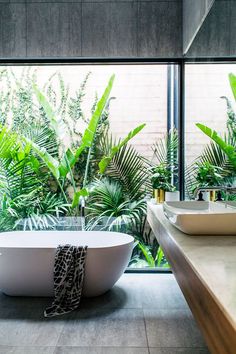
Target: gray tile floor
142, 314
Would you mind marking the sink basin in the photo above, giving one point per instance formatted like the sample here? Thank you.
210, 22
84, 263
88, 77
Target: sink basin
201, 218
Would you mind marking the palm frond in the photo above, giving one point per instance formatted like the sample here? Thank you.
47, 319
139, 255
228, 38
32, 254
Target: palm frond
44, 137
17, 177
34, 211
214, 155
165, 150
108, 203
128, 167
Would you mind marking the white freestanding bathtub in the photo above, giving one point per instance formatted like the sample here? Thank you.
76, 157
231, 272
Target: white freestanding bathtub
27, 260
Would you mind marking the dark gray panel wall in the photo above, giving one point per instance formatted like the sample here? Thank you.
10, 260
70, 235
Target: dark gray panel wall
12, 29
53, 29
217, 35
159, 28
90, 28
109, 29
194, 12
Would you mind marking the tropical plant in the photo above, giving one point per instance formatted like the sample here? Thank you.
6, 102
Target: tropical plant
165, 150
220, 152
208, 175
228, 149
226, 144
109, 206
130, 171
161, 178
22, 186
62, 167
165, 165
148, 259
40, 160
128, 168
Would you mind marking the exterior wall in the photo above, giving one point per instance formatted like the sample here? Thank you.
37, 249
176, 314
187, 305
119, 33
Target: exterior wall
205, 85
88, 28
140, 93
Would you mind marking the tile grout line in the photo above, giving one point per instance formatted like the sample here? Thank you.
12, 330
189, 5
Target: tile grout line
59, 336
145, 327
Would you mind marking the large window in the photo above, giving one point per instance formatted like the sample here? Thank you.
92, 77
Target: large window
47, 108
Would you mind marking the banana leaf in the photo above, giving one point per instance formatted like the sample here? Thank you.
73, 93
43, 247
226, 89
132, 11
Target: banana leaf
232, 81
228, 149
8, 143
69, 159
47, 108
88, 137
51, 163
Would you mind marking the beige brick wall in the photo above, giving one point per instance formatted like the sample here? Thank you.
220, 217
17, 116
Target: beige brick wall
141, 97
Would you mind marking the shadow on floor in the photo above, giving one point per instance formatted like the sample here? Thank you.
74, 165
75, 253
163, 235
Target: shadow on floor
17, 307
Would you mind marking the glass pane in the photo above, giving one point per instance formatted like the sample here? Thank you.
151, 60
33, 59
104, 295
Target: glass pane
49, 107
207, 92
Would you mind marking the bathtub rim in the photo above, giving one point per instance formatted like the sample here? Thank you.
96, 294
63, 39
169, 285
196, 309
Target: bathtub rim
129, 240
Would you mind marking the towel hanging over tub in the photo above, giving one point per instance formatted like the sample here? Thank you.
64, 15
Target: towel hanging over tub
68, 279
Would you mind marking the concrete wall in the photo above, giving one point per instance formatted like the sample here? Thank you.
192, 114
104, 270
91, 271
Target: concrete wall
217, 34
194, 13
88, 28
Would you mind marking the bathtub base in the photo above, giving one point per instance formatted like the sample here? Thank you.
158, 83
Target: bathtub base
28, 271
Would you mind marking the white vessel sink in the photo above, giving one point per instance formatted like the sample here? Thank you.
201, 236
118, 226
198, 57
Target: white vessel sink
201, 218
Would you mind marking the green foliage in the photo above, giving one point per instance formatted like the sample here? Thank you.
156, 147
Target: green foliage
115, 149
107, 204
62, 168
161, 178
224, 148
23, 186
39, 128
208, 175
232, 81
165, 152
228, 149
81, 193
33, 155
149, 260
38, 211
128, 168
220, 152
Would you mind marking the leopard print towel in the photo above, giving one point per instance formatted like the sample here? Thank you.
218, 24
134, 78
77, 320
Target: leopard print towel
68, 279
